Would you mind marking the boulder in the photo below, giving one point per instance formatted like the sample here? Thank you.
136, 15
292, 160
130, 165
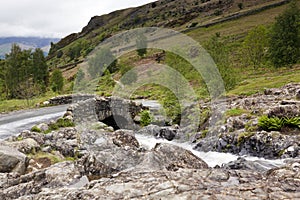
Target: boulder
125, 138
167, 133
43, 127
26, 146
12, 160
173, 157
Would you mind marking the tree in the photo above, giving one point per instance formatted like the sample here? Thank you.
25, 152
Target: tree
219, 52
103, 59
40, 69
141, 44
57, 81
254, 46
285, 39
17, 70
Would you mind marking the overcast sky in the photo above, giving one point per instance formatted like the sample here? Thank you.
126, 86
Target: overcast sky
54, 18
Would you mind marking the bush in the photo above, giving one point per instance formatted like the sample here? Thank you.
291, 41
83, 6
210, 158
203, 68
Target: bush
146, 118
36, 129
63, 122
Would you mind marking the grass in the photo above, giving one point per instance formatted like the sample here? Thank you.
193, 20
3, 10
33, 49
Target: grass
260, 80
238, 27
53, 158
20, 104
235, 112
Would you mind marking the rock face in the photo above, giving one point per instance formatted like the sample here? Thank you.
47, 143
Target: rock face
12, 160
241, 134
280, 183
115, 166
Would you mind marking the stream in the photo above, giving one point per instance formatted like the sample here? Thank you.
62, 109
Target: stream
211, 158
13, 123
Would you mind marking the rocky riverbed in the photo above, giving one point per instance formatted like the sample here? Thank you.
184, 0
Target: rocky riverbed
97, 162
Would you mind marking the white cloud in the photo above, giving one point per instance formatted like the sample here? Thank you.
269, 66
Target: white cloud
54, 18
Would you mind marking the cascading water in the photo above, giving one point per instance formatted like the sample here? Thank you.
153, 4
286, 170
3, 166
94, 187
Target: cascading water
211, 158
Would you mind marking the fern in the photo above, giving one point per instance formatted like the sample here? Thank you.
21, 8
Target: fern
276, 123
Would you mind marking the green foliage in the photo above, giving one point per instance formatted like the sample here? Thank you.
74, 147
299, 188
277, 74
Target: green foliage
60, 123
220, 54
106, 84
36, 129
285, 38
243, 137
59, 54
235, 112
57, 81
276, 124
172, 107
40, 69
24, 74
64, 122
254, 46
75, 51
146, 118
103, 59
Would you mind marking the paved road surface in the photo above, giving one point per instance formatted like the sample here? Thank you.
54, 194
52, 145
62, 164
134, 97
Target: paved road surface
15, 122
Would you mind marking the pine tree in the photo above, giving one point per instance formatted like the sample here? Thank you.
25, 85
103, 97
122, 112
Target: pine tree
40, 68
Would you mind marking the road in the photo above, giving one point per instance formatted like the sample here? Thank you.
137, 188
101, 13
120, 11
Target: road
15, 122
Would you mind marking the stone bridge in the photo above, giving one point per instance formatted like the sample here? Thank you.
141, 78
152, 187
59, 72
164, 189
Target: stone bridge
113, 111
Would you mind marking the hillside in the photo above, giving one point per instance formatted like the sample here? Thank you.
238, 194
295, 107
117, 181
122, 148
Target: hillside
229, 20
181, 15
25, 43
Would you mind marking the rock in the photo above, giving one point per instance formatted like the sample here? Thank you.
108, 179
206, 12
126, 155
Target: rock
110, 129
43, 127
243, 164
12, 160
273, 91
61, 174
167, 133
280, 183
285, 111
26, 146
46, 149
298, 94
68, 113
175, 157
123, 138
46, 103
38, 137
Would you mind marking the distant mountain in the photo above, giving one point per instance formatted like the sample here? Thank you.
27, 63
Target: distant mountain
25, 43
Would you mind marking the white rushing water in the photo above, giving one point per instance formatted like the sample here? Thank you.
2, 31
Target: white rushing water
211, 158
